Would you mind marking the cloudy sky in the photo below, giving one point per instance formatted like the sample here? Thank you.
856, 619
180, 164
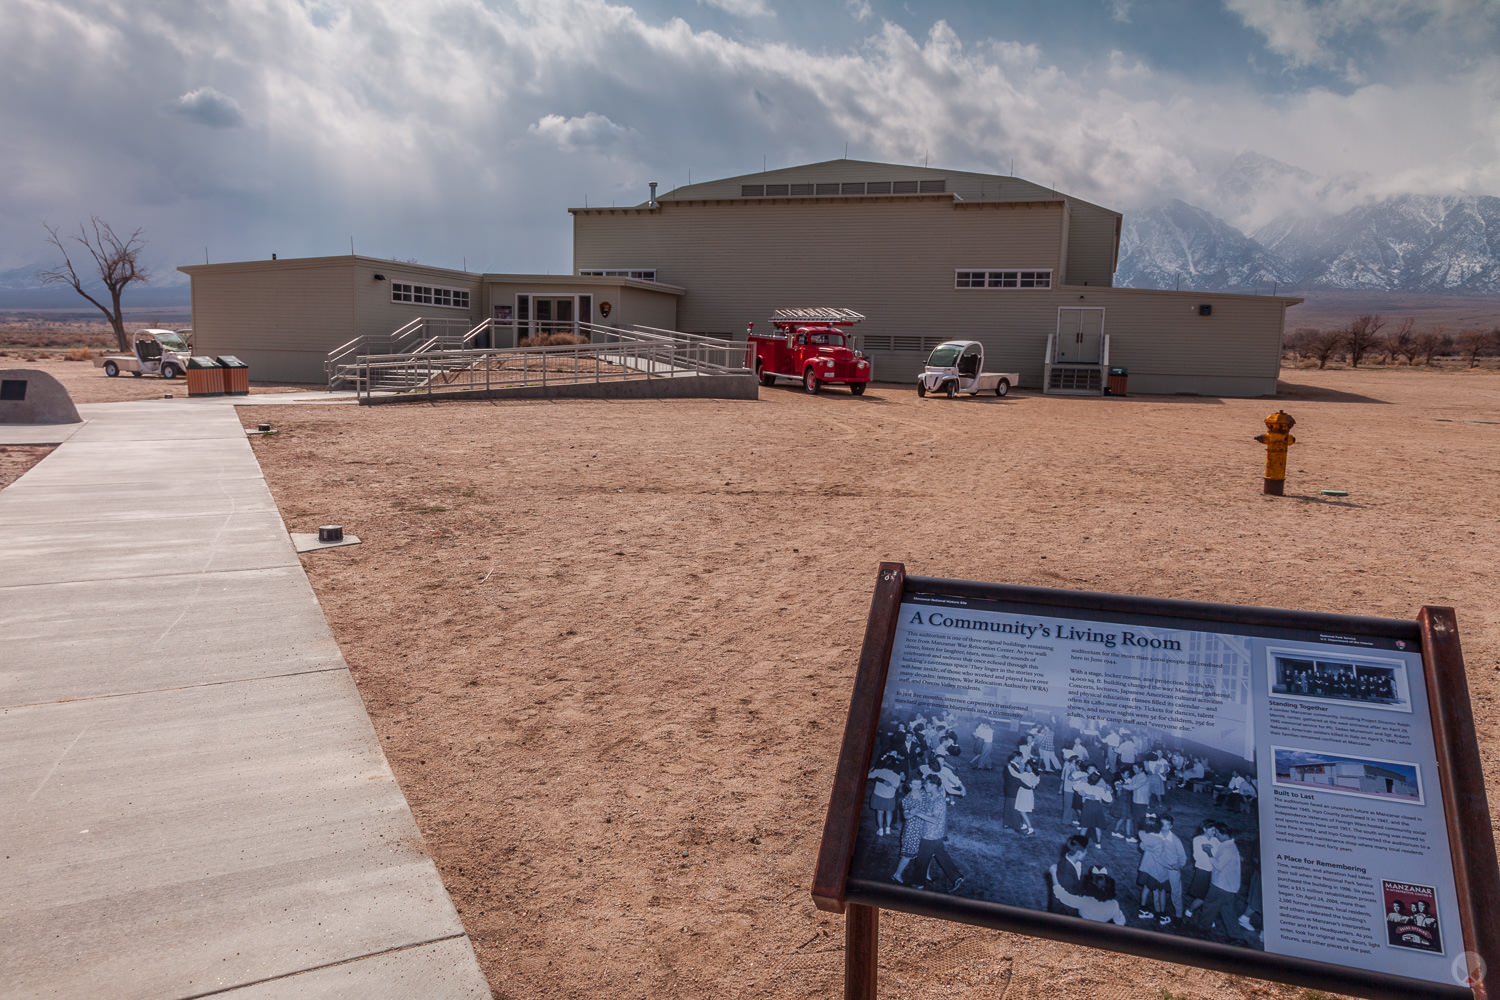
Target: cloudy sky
458, 132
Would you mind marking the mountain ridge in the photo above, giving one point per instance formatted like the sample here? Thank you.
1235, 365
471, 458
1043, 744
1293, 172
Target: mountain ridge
1421, 244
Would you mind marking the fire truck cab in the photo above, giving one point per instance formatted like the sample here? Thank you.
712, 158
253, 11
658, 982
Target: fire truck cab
814, 345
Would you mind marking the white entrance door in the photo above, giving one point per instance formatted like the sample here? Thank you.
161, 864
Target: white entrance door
1080, 336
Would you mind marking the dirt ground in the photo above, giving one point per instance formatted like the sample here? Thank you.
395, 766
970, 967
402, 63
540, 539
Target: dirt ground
608, 647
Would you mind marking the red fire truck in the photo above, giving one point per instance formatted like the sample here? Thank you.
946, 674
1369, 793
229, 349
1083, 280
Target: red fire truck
811, 344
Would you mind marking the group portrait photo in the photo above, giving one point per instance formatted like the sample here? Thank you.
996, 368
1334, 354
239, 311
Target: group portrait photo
1365, 683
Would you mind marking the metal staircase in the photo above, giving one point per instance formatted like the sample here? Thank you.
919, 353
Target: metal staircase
422, 335
1071, 378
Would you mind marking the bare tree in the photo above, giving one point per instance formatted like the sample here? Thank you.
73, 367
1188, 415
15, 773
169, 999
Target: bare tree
1474, 342
1299, 342
1400, 343
1429, 343
118, 262
1324, 345
1360, 336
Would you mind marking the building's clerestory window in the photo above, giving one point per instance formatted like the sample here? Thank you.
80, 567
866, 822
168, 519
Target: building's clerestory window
640, 273
1003, 279
430, 295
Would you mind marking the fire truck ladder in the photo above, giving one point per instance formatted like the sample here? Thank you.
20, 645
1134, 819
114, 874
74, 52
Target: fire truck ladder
832, 315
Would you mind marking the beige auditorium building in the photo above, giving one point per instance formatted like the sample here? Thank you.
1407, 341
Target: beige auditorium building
925, 254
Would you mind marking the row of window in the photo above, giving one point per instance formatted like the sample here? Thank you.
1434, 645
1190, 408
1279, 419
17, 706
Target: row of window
430, 295
962, 279
843, 187
1002, 279
643, 273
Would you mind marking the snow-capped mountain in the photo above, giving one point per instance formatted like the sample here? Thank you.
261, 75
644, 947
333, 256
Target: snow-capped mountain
1409, 243
1178, 245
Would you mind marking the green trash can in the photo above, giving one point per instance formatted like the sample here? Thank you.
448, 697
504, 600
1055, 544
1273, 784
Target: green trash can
1117, 379
236, 375
205, 377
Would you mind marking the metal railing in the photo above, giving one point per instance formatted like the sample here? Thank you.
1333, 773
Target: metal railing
1077, 378
616, 355
409, 339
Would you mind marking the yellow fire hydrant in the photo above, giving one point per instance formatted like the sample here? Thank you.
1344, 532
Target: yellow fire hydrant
1277, 438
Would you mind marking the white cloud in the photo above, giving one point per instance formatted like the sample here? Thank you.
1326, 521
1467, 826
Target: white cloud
1292, 29
1119, 10
741, 8
207, 106
860, 9
464, 129
1311, 32
590, 132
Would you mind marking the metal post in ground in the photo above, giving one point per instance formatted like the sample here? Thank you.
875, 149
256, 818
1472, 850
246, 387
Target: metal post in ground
861, 951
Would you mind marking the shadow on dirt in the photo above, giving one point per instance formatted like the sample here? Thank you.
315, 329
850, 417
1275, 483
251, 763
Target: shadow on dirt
1320, 394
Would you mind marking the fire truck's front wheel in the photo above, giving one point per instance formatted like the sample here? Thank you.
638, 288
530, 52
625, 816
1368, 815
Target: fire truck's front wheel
811, 382
858, 388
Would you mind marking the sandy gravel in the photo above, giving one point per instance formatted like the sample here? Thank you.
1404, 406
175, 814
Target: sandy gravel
608, 647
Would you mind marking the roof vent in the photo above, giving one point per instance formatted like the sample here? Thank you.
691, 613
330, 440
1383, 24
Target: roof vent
652, 202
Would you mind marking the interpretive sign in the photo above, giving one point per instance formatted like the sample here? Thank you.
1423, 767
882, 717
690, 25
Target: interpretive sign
1289, 795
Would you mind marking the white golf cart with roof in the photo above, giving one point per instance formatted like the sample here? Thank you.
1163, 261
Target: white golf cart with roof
957, 366
157, 352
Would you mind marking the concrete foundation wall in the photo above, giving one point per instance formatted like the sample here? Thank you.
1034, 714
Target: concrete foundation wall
281, 366
686, 387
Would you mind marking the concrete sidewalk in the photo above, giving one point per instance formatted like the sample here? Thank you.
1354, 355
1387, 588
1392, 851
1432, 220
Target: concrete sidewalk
194, 801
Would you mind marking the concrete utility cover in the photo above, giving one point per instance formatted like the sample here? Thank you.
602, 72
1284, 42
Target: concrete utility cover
28, 396
304, 541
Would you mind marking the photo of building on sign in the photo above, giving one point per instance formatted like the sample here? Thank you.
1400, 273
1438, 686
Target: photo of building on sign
1348, 775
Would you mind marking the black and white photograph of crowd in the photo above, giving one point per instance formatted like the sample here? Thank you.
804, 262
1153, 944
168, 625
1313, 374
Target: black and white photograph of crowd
1123, 824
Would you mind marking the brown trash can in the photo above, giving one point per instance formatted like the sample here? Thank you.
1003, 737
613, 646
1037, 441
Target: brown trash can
1117, 379
236, 375
204, 377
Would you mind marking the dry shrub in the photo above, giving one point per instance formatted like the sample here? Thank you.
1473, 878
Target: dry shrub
552, 340
79, 354
38, 335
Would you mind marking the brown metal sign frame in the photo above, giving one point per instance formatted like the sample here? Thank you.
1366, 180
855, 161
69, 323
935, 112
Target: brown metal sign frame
1460, 777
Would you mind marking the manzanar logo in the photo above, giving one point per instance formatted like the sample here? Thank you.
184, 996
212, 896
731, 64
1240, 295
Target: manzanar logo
1064, 632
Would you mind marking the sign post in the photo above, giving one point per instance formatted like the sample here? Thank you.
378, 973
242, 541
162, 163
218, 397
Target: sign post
1287, 795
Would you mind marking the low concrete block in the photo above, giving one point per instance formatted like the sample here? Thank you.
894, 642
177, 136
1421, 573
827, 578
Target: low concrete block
28, 396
